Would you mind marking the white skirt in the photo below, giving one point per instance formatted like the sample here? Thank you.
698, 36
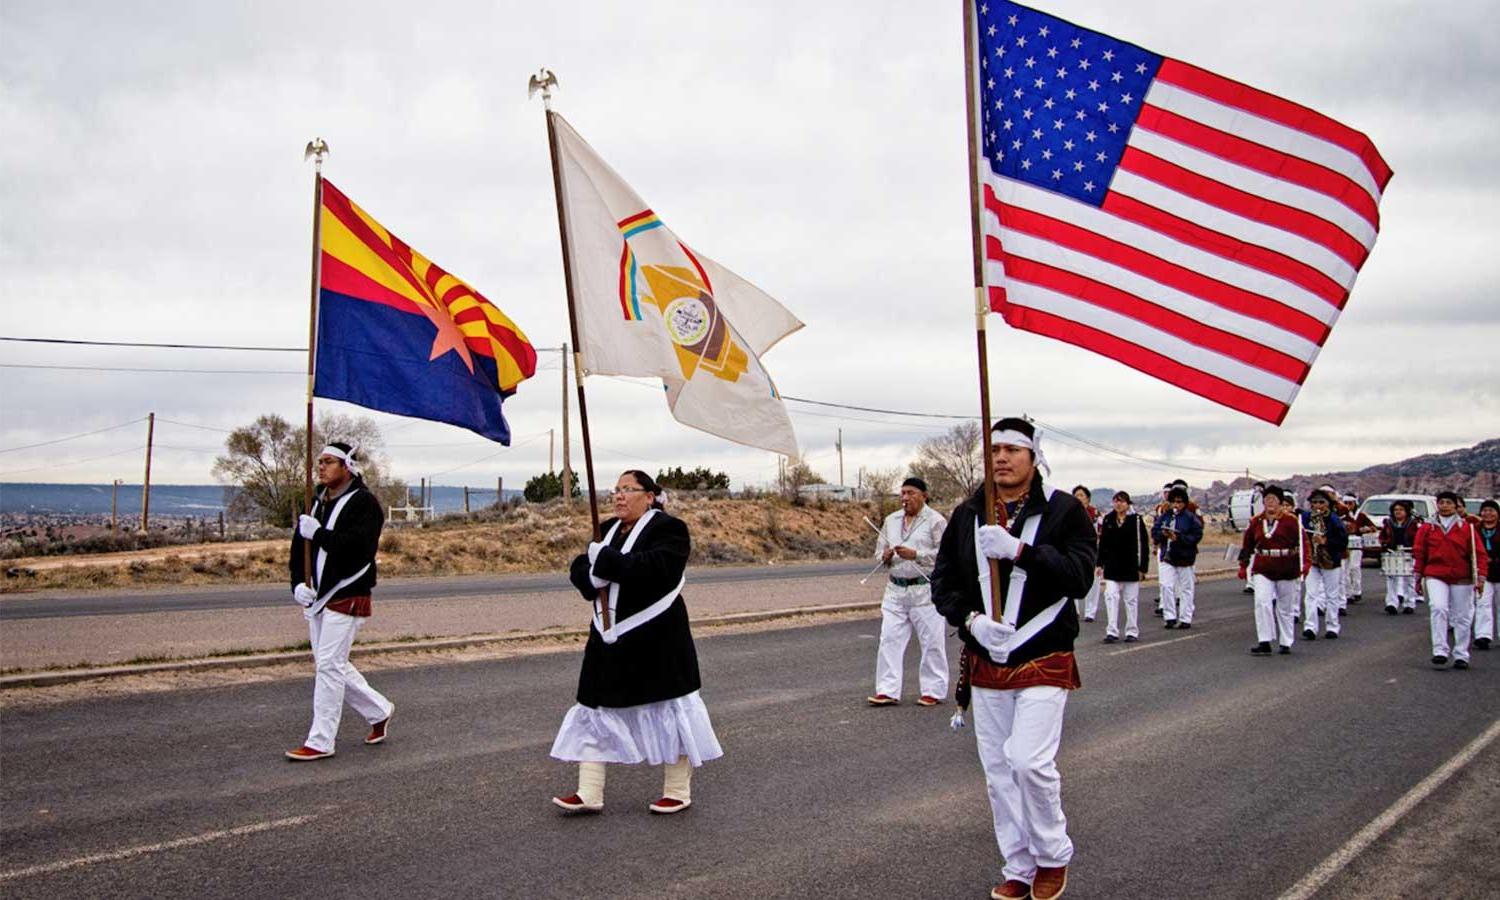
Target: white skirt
655, 733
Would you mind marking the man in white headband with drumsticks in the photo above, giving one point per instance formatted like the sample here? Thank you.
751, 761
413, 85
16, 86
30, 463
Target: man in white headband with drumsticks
1018, 664
343, 532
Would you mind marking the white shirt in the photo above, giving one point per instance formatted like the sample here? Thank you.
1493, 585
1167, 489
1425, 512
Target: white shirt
923, 535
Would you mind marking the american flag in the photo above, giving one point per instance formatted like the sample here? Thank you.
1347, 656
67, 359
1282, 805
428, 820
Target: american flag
1191, 227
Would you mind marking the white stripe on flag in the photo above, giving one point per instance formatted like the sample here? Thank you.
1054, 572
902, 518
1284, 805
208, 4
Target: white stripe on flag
1025, 246
1019, 293
1024, 196
1250, 181
1251, 127
1235, 226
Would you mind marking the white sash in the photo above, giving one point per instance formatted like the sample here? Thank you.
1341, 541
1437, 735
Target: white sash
325, 596
1017, 586
630, 623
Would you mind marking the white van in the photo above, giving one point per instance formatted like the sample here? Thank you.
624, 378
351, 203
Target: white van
1378, 508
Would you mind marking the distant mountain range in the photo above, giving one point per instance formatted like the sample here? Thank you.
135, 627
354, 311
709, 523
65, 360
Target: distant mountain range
1471, 471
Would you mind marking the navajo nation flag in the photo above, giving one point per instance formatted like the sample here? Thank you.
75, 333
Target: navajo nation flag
398, 334
1198, 230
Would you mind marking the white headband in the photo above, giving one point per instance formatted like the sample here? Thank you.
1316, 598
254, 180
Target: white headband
348, 458
1016, 439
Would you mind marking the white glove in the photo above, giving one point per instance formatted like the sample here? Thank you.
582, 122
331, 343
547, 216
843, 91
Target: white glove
594, 548
957, 723
599, 583
304, 595
991, 635
307, 526
998, 543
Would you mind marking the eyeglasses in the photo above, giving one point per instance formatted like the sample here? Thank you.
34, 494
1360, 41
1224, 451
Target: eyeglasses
630, 490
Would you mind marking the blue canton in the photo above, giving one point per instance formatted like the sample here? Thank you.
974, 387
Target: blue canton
1059, 101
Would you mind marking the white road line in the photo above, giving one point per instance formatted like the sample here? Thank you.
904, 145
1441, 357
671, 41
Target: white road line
1155, 644
49, 868
1314, 880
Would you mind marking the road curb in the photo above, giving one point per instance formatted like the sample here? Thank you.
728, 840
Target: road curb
258, 660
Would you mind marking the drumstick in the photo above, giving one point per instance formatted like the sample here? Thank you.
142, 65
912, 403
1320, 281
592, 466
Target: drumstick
877, 568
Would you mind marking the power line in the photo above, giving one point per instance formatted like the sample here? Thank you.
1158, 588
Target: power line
127, 369
36, 340
72, 437
72, 462
191, 425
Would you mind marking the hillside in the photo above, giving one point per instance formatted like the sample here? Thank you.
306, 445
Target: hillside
1471, 471
530, 538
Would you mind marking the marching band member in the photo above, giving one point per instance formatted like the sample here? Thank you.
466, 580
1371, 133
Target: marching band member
1177, 533
1276, 545
1124, 555
1449, 559
908, 543
1357, 524
1163, 507
1088, 605
344, 532
1484, 610
1396, 536
1018, 648
1325, 577
638, 695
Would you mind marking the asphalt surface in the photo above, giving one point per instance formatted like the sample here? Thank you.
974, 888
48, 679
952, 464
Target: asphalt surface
55, 604
1190, 769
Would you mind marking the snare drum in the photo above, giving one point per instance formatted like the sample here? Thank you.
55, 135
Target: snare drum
1398, 562
1370, 541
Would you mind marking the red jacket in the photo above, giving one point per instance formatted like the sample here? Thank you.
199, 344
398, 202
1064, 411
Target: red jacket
1449, 556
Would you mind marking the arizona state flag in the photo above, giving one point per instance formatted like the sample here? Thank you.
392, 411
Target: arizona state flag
398, 334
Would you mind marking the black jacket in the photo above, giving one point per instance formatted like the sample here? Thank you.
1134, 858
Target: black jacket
1124, 550
1491, 541
1058, 563
656, 661
350, 544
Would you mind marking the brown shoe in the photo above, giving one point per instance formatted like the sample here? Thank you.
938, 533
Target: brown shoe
882, 700
1049, 884
379, 729
1011, 890
307, 754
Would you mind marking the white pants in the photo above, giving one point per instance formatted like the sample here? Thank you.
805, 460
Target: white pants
1401, 590
1114, 592
1449, 606
903, 610
332, 634
1275, 604
1324, 593
1354, 585
1018, 733
1484, 611
1088, 604
1177, 589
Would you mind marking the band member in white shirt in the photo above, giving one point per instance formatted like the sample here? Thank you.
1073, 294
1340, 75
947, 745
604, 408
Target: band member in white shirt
908, 544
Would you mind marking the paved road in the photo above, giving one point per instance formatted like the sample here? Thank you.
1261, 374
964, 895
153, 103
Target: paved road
55, 604
1191, 770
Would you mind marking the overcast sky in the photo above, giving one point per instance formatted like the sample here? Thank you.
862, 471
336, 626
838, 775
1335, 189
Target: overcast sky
152, 188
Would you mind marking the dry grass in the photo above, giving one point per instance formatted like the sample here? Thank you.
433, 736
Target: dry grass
532, 538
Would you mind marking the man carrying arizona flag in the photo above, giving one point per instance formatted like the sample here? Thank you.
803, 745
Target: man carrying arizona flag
1018, 648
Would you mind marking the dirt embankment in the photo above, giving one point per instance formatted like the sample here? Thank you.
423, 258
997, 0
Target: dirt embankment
532, 538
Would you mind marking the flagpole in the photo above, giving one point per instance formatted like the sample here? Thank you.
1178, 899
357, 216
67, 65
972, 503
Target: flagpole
544, 81
316, 150
981, 300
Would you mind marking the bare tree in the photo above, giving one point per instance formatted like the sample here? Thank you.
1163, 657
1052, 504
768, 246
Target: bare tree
263, 463
952, 463
794, 476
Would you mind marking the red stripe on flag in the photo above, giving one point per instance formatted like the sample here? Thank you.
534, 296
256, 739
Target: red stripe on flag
625, 224
338, 204
1148, 361
1269, 106
1158, 317
519, 350
1231, 248
1243, 203
1261, 158
1228, 296
342, 278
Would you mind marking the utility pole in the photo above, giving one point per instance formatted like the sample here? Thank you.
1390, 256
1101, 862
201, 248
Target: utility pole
552, 445
466, 499
567, 474
499, 490
146, 488
840, 445
114, 507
